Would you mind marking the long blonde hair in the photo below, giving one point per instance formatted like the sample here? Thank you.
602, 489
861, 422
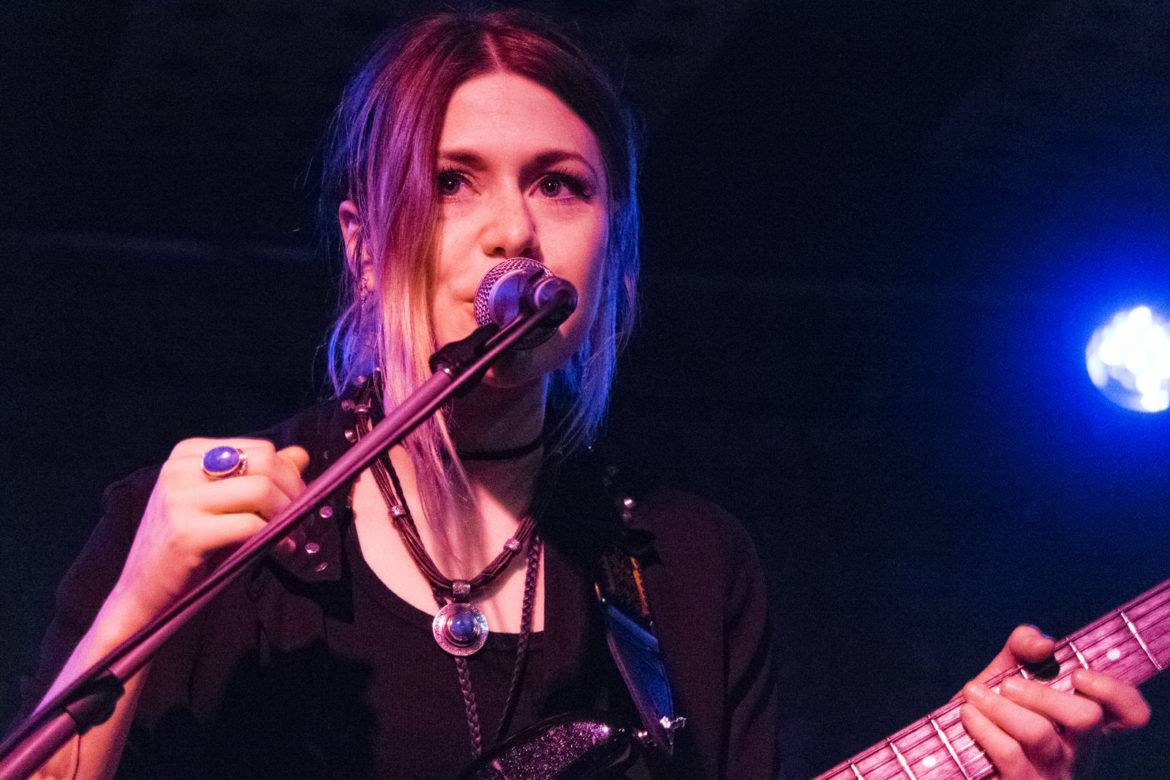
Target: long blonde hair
382, 157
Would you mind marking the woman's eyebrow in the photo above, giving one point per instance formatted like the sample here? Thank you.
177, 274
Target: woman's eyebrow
554, 156
469, 158
465, 157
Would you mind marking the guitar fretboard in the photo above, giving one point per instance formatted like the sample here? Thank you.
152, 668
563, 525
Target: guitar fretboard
1131, 643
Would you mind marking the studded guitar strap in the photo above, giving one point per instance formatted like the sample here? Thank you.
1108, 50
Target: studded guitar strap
630, 634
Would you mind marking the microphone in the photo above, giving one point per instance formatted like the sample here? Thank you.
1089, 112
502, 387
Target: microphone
517, 287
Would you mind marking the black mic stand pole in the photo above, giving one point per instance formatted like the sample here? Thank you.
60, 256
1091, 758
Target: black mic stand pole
90, 699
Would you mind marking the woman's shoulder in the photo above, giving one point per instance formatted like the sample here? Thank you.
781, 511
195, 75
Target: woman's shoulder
676, 511
685, 532
324, 429
695, 538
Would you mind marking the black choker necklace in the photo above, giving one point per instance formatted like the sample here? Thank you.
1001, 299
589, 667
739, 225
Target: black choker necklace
508, 454
460, 628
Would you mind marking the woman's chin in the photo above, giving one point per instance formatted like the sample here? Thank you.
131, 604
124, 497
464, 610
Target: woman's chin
512, 373
523, 368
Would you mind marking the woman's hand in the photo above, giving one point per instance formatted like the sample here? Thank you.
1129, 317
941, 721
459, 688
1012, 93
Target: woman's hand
189, 522
1030, 730
190, 518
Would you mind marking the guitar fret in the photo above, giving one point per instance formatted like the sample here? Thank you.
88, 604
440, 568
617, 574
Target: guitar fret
1078, 654
974, 761
933, 749
1109, 644
942, 735
901, 760
1141, 642
1154, 625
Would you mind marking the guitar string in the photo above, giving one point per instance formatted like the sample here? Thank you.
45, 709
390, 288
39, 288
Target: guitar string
924, 730
1133, 608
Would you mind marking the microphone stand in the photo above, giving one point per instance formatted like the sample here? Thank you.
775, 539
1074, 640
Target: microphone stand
91, 698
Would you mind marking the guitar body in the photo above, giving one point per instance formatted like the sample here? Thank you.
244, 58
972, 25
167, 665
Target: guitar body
567, 747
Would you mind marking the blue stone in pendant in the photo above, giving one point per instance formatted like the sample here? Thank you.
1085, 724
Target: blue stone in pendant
460, 628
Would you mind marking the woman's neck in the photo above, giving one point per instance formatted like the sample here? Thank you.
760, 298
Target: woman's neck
492, 419
501, 493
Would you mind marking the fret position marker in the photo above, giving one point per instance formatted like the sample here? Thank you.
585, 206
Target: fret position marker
1108, 646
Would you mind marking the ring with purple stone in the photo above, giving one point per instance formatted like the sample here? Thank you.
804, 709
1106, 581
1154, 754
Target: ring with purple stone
223, 462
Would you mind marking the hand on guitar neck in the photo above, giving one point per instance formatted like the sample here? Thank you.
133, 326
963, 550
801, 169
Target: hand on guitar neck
1032, 729
1037, 711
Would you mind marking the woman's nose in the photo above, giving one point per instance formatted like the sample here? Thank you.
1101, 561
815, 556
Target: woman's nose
511, 231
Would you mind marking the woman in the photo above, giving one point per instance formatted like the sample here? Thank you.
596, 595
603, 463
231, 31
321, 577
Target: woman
466, 140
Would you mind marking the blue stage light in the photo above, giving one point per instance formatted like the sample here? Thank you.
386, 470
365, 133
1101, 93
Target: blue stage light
1129, 360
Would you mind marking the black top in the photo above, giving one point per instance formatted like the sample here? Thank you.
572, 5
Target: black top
311, 667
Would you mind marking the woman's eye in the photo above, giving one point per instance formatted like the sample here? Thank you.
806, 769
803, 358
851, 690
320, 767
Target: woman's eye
559, 185
450, 183
551, 187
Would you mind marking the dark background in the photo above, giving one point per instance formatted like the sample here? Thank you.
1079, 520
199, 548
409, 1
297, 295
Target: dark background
878, 236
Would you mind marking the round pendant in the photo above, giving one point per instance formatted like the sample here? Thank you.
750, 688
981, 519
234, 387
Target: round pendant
460, 628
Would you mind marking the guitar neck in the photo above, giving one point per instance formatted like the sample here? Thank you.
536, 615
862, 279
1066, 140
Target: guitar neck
1131, 643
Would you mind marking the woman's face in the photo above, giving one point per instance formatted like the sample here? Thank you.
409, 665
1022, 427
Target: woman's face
520, 175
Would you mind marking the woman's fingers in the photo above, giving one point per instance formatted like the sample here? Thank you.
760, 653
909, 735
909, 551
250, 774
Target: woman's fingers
1122, 705
270, 482
1020, 742
227, 529
1027, 728
269, 476
1027, 644
190, 517
1032, 730
1076, 714
284, 466
298, 459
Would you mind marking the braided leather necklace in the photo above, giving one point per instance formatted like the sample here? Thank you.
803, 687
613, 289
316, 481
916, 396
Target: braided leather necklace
459, 627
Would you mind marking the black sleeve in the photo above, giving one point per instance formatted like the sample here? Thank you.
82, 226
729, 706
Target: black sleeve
710, 602
89, 580
752, 735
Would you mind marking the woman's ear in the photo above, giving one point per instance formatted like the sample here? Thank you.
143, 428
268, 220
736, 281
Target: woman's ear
347, 217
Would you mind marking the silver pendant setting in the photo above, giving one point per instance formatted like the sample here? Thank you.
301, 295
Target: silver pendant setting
460, 628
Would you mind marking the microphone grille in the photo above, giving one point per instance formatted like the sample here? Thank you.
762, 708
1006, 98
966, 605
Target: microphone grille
490, 304
497, 299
